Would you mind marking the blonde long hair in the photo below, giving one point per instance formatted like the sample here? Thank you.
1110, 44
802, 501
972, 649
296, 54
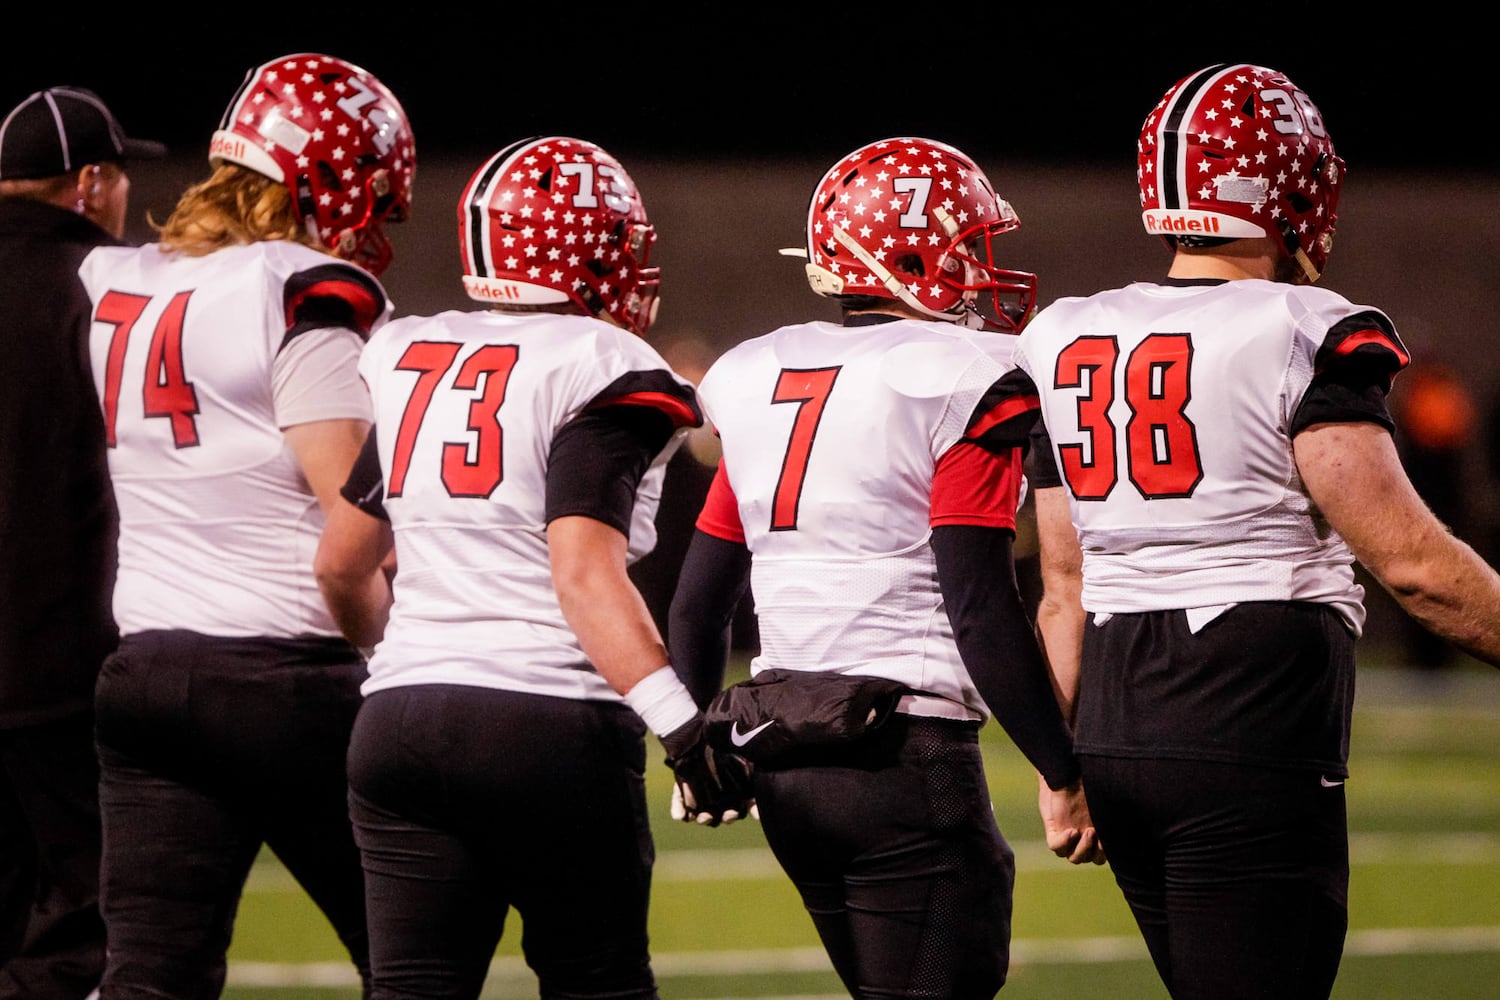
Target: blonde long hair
232, 206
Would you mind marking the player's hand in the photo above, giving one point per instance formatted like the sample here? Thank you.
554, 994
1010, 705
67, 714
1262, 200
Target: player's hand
709, 787
1069, 828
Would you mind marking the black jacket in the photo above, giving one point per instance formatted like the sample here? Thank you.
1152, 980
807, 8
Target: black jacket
58, 525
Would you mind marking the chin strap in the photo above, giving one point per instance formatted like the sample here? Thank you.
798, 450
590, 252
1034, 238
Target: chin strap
1295, 251
1306, 265
893, 284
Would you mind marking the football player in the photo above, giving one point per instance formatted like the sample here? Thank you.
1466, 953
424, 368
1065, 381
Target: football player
515, 469
1220, 454
225, 356
869, 484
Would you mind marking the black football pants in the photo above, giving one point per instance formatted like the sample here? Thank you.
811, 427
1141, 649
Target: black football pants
1238, 876
468, 801
51, 934
894, 848
1212, 761
210, 748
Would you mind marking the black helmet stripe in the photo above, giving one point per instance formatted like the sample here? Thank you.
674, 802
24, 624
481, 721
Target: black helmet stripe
232, 110
479, 197
478, 207
1169, 147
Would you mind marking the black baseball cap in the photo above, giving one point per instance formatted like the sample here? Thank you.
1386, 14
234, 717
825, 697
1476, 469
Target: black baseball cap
63, 129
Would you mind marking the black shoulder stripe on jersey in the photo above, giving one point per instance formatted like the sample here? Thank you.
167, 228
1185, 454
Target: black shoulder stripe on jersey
1363, 342
656, 389
1352, 374
1041, 464
334, 294
1005, 414
597, 460
1330, 402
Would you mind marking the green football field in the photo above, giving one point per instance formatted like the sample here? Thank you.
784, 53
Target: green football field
1424, 804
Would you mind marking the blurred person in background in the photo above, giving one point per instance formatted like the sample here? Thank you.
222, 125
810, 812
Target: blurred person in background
225, 356
64, 190
515, 470
869, 484
1436, 433
1220, 455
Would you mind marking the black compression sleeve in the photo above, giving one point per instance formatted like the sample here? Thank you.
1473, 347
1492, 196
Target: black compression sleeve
999, 647
1041, 467
714, 577
365, 487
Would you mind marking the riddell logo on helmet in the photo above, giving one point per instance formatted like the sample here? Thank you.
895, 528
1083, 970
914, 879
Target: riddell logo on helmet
1165, 222
491, 289
224, 144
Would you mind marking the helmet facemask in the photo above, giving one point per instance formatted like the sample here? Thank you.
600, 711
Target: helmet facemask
1012, 294
911, 219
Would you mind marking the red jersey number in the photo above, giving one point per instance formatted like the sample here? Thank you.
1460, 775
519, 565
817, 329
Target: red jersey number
462, 476
1161, 443
809, 388
166, 391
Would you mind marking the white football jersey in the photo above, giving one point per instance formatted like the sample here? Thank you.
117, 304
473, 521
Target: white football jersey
199, 363
1170, 411
831, 437
467, 405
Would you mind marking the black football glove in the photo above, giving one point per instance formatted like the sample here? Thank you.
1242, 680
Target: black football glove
709, 787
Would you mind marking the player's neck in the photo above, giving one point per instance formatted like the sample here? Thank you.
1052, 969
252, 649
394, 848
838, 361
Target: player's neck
1223, 266
1231, 261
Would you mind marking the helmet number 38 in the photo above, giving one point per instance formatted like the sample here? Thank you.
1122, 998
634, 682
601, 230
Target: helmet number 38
1295, 113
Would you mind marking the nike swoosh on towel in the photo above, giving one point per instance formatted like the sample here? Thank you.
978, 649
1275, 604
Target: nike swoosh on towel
739, 739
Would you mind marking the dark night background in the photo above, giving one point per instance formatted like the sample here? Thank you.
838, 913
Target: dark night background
756, 81
727, 115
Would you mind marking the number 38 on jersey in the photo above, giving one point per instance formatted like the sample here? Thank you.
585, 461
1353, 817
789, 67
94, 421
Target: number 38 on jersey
1150, 441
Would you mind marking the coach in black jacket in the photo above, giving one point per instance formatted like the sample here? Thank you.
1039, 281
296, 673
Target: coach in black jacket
63, 191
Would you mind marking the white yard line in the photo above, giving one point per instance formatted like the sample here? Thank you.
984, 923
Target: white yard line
509, 971
509, 974
752, 863
756, 863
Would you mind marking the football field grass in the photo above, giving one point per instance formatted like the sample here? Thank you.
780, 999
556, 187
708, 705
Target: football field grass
1424, 808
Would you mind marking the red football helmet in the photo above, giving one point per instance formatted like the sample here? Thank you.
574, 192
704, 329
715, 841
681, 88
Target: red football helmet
912, 219
551, 220
337, 138
1237, 151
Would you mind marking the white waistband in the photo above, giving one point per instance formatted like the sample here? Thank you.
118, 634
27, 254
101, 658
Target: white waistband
932, 706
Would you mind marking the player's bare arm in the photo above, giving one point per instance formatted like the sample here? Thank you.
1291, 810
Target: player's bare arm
1354, 475
358, 595
326, 450
1060, 614
600, 602
350, 567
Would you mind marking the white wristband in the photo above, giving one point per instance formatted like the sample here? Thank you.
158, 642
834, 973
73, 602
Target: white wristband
662, 700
